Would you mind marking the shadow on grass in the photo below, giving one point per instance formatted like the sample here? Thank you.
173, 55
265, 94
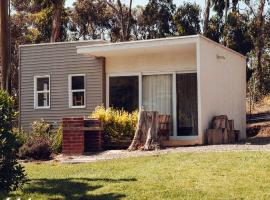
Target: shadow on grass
72, 188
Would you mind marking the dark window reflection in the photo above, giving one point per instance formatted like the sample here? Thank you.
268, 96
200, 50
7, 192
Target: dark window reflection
124, 92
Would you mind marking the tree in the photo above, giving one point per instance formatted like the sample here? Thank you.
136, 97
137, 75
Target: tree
57, 7
158, 19
123, 19
44, 16
90, 18
237, 33
258, 31
187, 19
4, 54
12, 173
206, 16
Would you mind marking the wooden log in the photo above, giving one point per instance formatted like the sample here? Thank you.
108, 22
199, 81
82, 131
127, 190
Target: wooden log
214, 136
146, 136
220, 122
225, 136
231, 125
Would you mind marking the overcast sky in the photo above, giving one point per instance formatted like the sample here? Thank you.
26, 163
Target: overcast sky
143, 2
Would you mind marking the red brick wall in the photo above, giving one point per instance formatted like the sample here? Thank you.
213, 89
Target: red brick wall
73, 135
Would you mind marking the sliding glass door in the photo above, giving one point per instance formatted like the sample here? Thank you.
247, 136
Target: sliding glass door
187, 104
169, 94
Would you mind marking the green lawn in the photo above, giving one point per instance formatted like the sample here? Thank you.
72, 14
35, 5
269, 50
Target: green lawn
231, 175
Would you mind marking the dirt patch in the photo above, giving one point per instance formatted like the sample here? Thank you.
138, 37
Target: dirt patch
259, 130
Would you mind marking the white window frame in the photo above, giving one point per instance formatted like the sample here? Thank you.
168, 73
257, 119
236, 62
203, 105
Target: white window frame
39, 92
70, 91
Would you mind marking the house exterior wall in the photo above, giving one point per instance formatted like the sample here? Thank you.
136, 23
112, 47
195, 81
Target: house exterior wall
58, 60
171, 61
222, 85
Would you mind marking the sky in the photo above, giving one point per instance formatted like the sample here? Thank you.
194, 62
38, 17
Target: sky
144, 2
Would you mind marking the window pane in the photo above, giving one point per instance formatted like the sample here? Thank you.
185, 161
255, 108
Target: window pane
77, 98
187, 107
43, 99
42, 84
124, 92
77, 82
157, 93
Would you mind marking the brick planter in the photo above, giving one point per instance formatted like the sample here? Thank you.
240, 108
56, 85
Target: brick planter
73, 135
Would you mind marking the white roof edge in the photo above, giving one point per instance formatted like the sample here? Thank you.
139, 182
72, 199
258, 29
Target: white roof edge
222, 46
85, 49
68, 42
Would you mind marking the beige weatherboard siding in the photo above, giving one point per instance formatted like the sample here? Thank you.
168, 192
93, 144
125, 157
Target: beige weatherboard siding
58, 60
220, 72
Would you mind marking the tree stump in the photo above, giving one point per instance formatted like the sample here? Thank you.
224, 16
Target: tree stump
146, 136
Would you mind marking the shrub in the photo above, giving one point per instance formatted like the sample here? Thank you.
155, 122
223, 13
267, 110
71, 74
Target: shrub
41, 128
38, 148
56, 140
41, 141
12, 173
118, 124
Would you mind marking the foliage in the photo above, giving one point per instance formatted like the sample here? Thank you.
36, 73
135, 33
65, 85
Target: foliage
38, 147
90, 18
118, 124
56, 140
187, 19
157, 19
12, 173
41, 142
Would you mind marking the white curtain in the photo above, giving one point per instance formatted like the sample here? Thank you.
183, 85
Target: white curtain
157, 93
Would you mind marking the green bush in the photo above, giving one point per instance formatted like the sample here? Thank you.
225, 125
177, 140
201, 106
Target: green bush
37, 148
41, 142
12, 174
118, 124
56, 140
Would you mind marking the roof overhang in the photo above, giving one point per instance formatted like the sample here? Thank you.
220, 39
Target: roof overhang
142, 47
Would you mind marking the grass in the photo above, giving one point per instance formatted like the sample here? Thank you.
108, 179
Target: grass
230, 175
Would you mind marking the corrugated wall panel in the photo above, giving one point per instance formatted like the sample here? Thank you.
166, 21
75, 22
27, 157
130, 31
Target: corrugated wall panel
58, 61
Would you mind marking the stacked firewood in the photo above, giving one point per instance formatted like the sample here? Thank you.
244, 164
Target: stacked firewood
221, 131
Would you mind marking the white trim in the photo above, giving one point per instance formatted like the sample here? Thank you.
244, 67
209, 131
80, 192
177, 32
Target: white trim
70, 91
99, 49
200, 129
174, 103
39, 92
193, 137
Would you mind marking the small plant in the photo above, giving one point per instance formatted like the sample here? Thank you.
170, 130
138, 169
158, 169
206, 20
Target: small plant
37, 148
12, 173
56, 140
41, 141
117, 124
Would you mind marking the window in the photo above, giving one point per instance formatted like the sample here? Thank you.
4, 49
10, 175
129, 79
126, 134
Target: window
77, 91
124, 92
42, 92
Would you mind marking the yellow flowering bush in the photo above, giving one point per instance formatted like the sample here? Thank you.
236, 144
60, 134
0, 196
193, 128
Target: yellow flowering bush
117, 124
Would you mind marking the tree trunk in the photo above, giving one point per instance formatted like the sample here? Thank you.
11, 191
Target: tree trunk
260, 43
4, 67
206, 16
146, 136
56, 24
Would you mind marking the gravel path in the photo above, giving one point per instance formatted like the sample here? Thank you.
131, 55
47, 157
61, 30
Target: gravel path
116, 154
